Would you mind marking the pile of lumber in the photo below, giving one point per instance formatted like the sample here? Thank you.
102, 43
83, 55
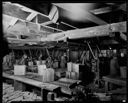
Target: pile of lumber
10, 95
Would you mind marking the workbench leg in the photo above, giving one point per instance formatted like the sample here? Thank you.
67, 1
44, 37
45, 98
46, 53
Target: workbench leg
42, 94
106, 86
19, 86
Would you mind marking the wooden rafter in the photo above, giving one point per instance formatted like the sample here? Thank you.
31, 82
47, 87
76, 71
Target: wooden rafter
47, 23
33, 23
31, 16
24, 8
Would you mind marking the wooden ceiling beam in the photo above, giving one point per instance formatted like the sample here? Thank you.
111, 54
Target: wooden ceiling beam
104, 30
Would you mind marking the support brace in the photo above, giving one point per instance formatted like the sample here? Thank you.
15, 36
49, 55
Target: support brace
91, 50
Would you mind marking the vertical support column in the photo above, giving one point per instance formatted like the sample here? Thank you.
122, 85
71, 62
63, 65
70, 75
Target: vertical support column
42, 93
106, 86
68, 54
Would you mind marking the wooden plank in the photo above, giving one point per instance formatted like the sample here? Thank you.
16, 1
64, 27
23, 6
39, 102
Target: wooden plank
31, 16
52, 12
23, 79
115, 80
54, 15
47, 23
119, 91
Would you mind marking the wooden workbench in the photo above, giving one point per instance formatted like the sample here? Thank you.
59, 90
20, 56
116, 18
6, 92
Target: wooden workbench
23, 79
32, 82
114, 80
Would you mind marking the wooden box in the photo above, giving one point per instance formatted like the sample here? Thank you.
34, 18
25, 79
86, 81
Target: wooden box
19, 69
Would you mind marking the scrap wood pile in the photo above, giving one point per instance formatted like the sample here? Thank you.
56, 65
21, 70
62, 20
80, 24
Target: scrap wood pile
10, 95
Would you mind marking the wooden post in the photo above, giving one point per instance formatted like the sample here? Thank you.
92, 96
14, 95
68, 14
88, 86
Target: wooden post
106, 86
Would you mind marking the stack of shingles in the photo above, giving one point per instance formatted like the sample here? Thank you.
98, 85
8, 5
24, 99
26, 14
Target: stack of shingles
10, 95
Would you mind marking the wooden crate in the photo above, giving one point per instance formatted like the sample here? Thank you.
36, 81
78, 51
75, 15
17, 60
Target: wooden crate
19, 69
